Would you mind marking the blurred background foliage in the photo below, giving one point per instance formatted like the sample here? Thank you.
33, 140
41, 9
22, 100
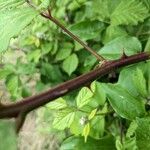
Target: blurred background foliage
43, 56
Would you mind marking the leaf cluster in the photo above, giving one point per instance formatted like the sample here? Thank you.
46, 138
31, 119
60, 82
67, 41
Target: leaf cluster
107, 114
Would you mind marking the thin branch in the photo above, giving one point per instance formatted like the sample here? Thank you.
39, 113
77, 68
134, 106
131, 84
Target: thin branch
54, 20
33, 102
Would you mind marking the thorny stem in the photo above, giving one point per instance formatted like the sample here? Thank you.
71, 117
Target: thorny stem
54, 20
30, 103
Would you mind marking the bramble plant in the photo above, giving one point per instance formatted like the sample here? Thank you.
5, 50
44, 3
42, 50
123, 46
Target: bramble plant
90, 62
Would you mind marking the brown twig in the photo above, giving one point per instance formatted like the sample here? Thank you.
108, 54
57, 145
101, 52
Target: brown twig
89, 49
33, 102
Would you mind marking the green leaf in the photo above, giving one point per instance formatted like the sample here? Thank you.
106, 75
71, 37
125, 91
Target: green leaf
140, 82
147, 3
99, 96
44, 4
114, 49
126, 80
131, 129
70, 64
126, 77
34, 55
26, 69
129, 12
26, 92
8, 137
97, 127
84, 97
77, 46
77, 125
8, 4
75, 4
98, 9
51, 72
12, 84
40, 86
12, 22
4, 73
147, 47
86, 131
77, 143
59, 103
113, 32
148, 80
130, 144
87, 29
143, 133
62, 54
46, 48
64, 119
89, 61
130, 139
123, 102
92, 114
118, 144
